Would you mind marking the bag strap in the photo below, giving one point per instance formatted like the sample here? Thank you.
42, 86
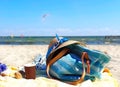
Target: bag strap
84, 56
62, 53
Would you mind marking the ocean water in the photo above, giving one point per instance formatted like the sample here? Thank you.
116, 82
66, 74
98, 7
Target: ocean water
41, 40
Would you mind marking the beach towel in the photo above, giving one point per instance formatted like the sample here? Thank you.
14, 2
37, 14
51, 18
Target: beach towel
105, 81
70, 61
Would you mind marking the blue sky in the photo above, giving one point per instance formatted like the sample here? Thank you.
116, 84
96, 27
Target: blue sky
64, 17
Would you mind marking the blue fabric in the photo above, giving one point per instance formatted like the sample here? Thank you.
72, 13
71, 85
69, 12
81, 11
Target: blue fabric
49, 50
69, 67
40, 62
68, 71
3, 67
60, 41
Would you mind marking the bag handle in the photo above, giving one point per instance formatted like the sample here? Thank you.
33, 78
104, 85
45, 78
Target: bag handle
62, 53
84, 56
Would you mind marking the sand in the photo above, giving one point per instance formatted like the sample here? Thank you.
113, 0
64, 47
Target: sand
19, 55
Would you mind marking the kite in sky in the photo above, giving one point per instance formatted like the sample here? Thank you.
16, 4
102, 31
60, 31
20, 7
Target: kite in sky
44, 17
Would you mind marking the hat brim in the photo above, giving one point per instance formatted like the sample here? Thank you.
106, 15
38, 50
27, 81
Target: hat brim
67, 43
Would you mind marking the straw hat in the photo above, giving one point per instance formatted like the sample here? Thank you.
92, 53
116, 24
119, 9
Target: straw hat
61, 46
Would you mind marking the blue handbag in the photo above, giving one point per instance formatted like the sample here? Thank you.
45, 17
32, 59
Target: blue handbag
72, 62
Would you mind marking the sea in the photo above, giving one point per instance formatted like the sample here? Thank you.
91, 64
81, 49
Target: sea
45, 40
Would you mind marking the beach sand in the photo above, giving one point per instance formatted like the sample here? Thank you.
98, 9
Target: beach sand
19, 55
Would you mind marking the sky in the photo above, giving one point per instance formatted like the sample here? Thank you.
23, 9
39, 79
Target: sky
62, 17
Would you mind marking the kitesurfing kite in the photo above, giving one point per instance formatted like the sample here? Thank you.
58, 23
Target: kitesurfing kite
44, 17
